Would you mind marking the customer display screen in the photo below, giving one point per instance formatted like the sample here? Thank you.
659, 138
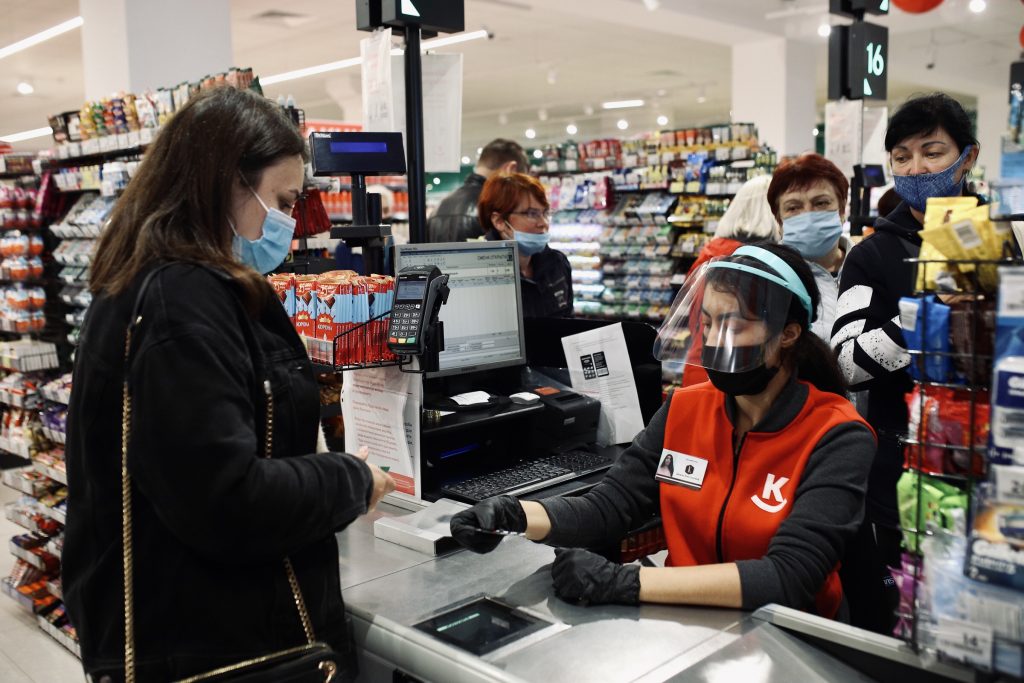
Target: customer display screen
481, 626
411, 290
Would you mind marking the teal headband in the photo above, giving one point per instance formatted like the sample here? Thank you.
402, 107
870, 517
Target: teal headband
786, 277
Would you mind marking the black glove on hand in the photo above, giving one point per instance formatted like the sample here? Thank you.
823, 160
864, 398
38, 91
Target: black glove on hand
502, 513
582, 576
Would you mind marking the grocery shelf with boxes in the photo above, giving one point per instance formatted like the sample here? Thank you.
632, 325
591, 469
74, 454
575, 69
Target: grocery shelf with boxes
632, 215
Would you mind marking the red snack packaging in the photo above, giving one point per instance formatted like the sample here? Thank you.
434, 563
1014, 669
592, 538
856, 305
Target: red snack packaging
284, 287
306, 305
329, 294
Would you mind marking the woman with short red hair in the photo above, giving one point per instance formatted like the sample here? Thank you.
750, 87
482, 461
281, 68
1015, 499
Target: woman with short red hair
514, 206
808, 197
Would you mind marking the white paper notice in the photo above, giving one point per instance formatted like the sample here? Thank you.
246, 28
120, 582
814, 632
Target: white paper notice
844, 134
378, 102
442, 110
599, 367
472, 398
381, 408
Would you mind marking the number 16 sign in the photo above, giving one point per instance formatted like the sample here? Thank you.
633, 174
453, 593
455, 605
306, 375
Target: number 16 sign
868, 61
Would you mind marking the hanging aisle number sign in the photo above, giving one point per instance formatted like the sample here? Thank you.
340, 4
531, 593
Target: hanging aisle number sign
868, 63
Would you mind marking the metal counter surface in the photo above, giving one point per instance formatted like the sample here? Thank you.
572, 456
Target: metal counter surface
388, 588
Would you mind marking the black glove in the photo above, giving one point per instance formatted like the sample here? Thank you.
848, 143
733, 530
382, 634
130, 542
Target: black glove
502, 513
581, 576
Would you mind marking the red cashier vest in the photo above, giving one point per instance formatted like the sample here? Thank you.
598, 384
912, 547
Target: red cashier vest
763, 483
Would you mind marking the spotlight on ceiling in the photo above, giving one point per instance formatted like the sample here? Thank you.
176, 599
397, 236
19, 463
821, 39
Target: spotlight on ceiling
623, 124
531, 133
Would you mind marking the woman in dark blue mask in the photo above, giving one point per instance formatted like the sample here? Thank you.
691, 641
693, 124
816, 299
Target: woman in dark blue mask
931, 148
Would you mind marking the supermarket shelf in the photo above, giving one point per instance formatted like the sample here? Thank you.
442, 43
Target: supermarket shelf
57, 475
55, 436
37, 560
60, 636
18, 447
54, 514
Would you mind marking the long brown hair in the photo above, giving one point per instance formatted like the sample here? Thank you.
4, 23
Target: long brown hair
177, 205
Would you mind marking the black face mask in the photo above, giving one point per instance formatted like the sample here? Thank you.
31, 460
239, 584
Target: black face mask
745, 383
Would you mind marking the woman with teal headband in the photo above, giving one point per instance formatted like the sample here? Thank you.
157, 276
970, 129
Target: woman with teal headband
770, 461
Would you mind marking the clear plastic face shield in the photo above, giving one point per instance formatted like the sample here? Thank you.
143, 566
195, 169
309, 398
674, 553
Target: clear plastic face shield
729, 315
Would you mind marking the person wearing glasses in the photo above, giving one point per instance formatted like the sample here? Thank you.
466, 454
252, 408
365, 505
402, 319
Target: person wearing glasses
514, 206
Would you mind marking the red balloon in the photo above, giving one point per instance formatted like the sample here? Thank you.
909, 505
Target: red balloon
917, 6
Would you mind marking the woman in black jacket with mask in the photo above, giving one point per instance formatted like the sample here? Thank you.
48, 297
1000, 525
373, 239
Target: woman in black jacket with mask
218, 380
931, 148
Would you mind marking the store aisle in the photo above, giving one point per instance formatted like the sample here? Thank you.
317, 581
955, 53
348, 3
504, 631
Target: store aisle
27, 655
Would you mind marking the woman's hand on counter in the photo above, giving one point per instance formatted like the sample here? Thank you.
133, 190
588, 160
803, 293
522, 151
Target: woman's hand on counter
383, 484
501, 513
584, 577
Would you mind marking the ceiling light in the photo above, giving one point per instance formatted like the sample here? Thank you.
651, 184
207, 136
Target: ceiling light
25, 88
42, 36
479, 151
623, 124
437, 181
552, 77
702, 98
27, 134
466, 161
815, 132
537, 154
977, 6
662, 92
588, 110
622, 104
531, 133
662, 120
824, 29
571, 129
652, 5
432, 44
542, 114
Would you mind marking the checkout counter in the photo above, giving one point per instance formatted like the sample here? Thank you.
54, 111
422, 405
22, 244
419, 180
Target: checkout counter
388, 589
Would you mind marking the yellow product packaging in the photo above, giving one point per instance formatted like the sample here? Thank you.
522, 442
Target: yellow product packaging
927, 272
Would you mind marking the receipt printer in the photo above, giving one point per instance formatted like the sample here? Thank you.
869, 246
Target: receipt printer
569, 419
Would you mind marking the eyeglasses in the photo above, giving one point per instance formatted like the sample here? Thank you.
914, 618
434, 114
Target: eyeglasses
534, 215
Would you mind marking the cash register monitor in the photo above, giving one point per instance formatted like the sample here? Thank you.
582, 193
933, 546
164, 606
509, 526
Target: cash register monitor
483, 319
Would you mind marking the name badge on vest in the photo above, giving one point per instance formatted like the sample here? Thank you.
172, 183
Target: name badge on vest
681, 469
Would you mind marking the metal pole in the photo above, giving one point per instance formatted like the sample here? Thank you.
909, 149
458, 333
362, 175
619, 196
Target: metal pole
414, 132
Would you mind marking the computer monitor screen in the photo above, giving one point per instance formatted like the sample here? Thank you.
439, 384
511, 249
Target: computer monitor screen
483, 319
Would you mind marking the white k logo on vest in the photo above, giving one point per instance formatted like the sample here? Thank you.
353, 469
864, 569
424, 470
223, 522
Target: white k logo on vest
772, 490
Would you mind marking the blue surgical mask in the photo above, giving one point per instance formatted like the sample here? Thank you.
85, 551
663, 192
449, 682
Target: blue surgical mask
531, 243
916, 190
813, 233
269, 251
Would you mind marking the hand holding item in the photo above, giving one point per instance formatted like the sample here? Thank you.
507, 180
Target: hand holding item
501, 513
383, 484
582, 576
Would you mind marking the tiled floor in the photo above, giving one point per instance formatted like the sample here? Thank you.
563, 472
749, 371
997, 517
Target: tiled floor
27, 655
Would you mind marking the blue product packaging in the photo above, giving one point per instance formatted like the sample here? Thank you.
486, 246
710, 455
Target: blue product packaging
1007, 428
937, 368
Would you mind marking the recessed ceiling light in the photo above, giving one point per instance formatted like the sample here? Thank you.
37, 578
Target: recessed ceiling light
25, 88
466, 161
662, 120
531, 133
977, 6
622, 104
571, 129
824, 29
437, 181
702, 98
815, 132
623, 124
652, 5
542, 114
537, 154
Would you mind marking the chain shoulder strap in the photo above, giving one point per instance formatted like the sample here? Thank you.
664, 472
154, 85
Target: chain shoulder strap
293, 581
127, 549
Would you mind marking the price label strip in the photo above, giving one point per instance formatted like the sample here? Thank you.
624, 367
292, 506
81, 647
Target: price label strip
967, 642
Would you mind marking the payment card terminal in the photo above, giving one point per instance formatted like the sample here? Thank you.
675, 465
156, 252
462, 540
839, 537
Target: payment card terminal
420, 291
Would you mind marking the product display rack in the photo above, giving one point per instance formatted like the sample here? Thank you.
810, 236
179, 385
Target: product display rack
987, 639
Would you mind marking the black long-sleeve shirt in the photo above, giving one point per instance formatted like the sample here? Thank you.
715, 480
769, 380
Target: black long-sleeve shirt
826, 513
213, 519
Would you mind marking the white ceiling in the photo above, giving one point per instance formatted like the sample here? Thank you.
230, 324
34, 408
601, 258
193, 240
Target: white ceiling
594, 49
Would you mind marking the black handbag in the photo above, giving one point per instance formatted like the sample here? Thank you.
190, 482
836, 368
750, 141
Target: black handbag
313, 662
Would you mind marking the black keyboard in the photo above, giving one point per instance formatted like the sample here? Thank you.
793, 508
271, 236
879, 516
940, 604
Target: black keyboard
529, 476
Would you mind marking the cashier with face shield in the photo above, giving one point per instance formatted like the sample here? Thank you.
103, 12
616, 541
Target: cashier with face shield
769, 461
